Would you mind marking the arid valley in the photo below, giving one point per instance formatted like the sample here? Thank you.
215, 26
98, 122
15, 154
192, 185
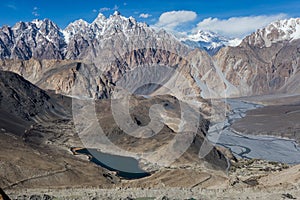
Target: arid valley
119, 109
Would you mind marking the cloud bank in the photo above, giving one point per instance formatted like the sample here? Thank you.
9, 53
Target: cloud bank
172, 19
237, 26
145, 15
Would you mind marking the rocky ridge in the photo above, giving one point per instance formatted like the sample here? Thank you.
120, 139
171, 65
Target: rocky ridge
276, 32
265, 62
43, 39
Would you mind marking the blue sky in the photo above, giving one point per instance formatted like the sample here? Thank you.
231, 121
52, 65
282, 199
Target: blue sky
63, 12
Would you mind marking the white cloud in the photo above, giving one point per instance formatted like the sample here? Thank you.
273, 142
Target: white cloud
35, 11
116, 7
12, 6
170, 20
145, 15
104, 9
237, 26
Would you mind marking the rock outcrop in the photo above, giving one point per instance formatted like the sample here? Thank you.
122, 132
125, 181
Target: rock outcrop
25, 100
265, 62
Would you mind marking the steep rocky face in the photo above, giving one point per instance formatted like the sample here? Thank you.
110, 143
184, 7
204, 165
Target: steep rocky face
98, 81
37, 39
276, 32
265, 62
208, 76
24, 100
89, 40
104, 38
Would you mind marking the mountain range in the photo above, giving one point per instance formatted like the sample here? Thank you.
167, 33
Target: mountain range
26, 39
267, 61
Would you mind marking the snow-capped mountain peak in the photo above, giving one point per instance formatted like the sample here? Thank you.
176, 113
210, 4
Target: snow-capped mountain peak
100, 26
37, 22
100, 17
209, 41
204, 36
116, 13
80, 22
281, 30
78, 26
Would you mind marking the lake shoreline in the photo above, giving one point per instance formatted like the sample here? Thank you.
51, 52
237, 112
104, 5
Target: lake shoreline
128, 169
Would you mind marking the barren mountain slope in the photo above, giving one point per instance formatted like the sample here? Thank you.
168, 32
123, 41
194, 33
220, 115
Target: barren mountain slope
30, 121
265, 62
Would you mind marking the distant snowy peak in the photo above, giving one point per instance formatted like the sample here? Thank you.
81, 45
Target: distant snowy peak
205, 36
100, 19
45, 24
209, 41
282, 30
101, 26
42, 26
40, 39
77, 27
